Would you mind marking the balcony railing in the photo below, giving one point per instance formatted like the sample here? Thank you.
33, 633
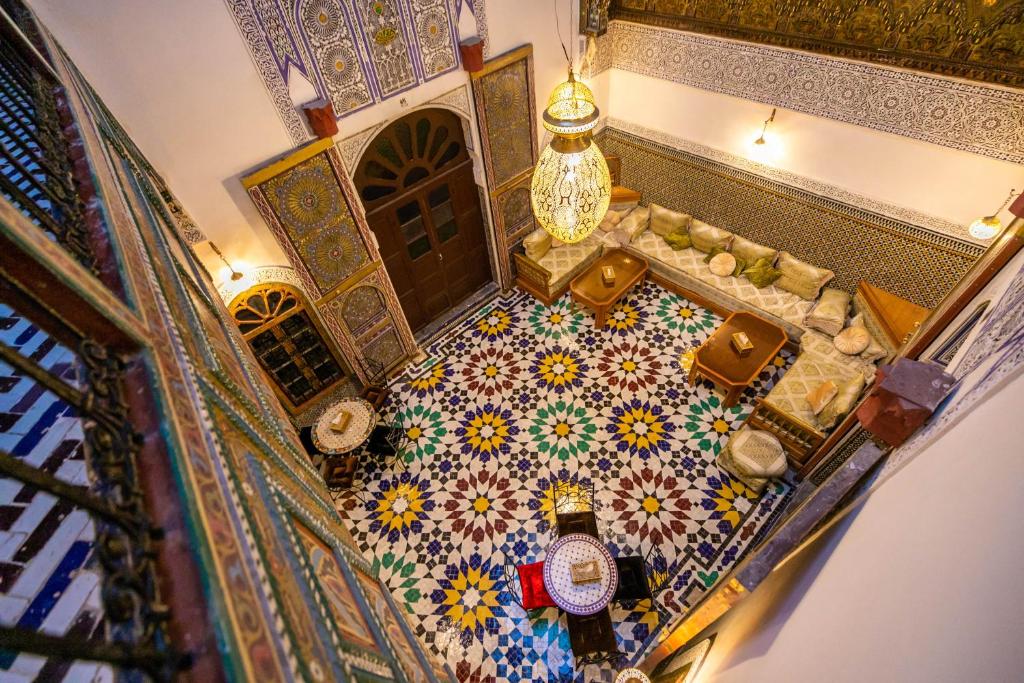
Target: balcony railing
35, 160
79, 567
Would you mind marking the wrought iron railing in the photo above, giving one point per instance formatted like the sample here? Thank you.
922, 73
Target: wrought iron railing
127, 624
132, 635
35, 160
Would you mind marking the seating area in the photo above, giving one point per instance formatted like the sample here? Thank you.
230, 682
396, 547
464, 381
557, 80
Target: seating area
681, 250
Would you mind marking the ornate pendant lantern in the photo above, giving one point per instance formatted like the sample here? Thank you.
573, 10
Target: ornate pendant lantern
571, 186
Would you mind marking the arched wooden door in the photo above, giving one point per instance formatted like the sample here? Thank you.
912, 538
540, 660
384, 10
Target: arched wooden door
416, 182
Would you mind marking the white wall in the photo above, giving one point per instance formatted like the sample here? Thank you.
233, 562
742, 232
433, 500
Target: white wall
179, 78
921, 584
943, 182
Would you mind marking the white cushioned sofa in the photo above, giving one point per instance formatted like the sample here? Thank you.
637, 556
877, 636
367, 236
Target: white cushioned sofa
785, 411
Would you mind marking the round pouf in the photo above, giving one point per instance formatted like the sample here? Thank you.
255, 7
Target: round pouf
852, 340
723, 264
753, 456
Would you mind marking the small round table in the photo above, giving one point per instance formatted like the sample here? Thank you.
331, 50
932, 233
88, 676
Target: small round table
631, 675
358, 430
583, 598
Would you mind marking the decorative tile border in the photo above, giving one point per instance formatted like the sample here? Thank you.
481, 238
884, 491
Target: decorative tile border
834, 192
982, 119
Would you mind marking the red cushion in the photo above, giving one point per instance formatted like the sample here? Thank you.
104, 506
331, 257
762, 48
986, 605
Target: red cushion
531, 580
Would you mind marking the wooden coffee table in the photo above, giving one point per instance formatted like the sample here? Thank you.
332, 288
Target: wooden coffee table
589, 289
719, 362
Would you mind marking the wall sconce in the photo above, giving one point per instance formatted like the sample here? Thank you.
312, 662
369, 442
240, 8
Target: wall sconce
760, 140
987, 227
235, 275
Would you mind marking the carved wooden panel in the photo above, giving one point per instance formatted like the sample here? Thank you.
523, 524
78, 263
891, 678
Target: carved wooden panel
978, 39
504, 94
311, 206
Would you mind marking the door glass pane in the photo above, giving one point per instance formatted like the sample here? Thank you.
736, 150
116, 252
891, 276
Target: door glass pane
411, 222
447, 231
418, 247
441, 212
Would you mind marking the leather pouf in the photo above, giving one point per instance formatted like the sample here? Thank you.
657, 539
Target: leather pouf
723, 265
852, 340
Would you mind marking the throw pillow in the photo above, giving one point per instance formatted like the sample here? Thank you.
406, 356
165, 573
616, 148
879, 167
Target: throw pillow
820, 396
636, 222
829, 313
611, 219
874, 351
745, 250
741, 265
762, 274
715, 251
852, 340
704, 237
665, 221
677, 240
537, 244
723, 264
849, 392
800, 277
621, 237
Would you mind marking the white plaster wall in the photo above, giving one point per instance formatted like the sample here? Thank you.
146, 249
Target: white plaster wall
179, 78
922, 583
950, 184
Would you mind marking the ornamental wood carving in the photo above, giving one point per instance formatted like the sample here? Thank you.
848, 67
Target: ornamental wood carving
977, 39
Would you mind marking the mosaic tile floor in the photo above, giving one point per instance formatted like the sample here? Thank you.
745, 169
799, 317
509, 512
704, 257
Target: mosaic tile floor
521, 394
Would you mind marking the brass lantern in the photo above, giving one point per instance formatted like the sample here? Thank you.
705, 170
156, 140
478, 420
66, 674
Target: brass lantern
571, 186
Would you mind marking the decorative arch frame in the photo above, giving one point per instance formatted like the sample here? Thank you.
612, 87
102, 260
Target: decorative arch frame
275, 313
460, 101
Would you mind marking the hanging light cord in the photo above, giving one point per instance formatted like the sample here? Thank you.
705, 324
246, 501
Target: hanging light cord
558, 27
1007, 201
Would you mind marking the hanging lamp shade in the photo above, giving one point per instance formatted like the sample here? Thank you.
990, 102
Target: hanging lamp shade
571, 186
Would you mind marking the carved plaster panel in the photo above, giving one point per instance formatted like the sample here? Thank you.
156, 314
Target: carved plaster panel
974, 117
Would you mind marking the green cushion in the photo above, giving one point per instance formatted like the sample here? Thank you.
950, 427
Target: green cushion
741, 265
715, 251
762, 274
678, 240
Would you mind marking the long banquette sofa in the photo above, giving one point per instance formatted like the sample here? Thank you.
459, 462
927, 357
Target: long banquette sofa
679, 248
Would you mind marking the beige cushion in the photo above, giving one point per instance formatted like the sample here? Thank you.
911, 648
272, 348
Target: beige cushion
853, 340
751, 252
611, 220
537, 243
704, 237
636, 222
723, 264
849, 392
829, 314
820, 396
801, 277
789, 395
664, 221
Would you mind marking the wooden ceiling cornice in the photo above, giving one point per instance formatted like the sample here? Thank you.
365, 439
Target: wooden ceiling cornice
981, 40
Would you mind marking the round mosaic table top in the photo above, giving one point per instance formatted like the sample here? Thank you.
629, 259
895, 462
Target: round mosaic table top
632, 676
581, 598
358, 430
